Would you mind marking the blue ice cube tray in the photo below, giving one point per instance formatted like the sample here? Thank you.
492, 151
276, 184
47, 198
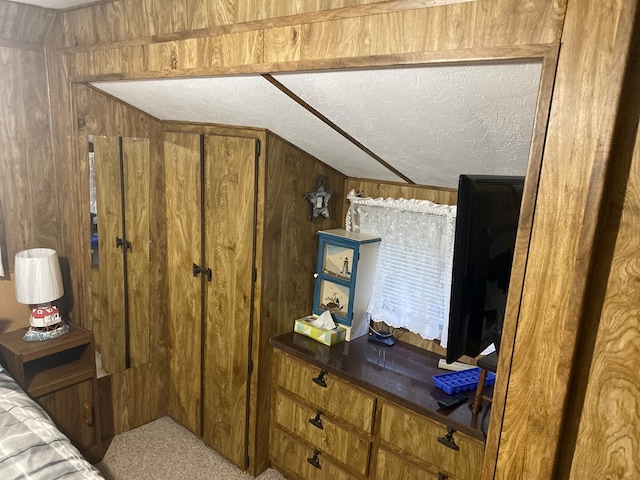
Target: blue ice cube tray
462, 381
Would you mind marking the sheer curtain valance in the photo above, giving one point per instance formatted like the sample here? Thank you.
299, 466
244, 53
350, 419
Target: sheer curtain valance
413, 272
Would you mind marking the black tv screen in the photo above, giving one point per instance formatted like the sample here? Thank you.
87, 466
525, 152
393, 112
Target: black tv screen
486, 226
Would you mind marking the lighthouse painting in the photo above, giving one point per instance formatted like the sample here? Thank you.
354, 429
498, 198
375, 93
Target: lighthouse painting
338, 261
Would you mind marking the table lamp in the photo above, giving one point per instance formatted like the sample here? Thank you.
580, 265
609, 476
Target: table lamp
38, 282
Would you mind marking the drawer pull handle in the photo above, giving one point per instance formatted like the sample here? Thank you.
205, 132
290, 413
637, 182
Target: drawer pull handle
314, 460
442, 476
317, 421
320, 379
448, 440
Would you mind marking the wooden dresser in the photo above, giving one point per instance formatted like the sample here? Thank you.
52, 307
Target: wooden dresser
357, 410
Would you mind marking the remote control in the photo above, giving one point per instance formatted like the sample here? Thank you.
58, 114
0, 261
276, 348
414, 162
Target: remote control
452, 401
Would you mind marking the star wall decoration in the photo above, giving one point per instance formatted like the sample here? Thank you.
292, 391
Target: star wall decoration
319, 200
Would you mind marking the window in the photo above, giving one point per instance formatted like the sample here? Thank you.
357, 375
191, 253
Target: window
413, 271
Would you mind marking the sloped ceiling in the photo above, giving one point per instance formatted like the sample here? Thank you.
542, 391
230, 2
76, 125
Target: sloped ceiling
421, 124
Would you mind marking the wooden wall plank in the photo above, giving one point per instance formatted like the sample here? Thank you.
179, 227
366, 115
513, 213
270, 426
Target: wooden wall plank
158, 18
24, 23
288, 260
608, 419
29, 188
577, 150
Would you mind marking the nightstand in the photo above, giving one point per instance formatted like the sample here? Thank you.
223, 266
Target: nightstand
60, 375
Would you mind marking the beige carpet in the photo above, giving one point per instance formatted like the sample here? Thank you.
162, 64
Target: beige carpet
163, 450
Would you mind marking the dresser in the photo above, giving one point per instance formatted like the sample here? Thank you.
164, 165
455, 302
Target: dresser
356, 410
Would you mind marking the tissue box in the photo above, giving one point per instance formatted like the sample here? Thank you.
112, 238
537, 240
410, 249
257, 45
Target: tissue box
322, 335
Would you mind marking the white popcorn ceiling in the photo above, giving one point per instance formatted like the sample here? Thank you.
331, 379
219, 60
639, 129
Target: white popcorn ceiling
431, 123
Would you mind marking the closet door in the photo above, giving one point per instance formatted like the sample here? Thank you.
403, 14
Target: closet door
135, 155
111, 267
230, 183
183, 201
122, 201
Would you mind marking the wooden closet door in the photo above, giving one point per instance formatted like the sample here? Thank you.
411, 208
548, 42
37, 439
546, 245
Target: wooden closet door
135, 152
230, 193
111, 269
183, 187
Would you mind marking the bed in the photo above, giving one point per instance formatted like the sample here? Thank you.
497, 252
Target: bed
31, 447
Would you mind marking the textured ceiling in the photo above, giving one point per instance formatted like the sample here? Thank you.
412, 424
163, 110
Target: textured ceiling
430, 123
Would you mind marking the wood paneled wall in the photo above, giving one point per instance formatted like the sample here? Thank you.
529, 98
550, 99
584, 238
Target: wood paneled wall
24, 26
29, 178
251, 35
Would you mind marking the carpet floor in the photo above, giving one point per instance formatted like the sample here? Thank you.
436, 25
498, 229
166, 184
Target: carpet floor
164, 450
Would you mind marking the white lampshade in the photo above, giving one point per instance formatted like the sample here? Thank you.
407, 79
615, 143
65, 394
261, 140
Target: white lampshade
37, 276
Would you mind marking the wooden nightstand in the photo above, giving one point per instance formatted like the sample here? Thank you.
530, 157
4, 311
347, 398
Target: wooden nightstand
60, 375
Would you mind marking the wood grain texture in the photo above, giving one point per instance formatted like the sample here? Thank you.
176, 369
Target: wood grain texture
135, 152
132, 398
23, 23
393, 466
157, 19
576, 152
605, 401
287, 243
29, 189
229, 202
332, 439
183, 184
398, 427
111, 271
290, 455
521, 250
296, 378
380, 28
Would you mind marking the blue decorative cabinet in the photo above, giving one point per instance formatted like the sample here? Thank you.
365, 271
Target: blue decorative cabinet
344, 278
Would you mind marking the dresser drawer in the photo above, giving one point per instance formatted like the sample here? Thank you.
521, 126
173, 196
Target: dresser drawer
335, 397
292, 455
390, 466
330, 438
418, 436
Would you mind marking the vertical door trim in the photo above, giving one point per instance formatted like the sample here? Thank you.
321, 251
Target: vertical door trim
127, 347
203, 311
250, 368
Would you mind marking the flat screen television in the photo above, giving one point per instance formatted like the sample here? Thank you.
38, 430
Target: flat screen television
486, 226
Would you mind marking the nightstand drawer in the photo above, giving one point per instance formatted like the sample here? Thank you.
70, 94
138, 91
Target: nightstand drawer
322, 432
327, 392
304, 461
462, 456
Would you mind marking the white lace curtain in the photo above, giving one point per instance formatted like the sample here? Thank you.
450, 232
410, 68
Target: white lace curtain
415, 258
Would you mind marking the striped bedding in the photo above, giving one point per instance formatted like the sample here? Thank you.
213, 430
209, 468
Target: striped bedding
31, 447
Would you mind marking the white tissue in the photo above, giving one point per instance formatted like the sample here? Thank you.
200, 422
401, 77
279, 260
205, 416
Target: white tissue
324, 321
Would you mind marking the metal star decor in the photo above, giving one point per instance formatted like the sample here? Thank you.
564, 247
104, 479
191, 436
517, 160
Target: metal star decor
319, 200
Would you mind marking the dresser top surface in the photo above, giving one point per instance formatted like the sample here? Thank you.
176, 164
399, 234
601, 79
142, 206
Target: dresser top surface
401, 373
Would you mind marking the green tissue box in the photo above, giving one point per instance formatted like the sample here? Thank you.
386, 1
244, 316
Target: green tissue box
322, 335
